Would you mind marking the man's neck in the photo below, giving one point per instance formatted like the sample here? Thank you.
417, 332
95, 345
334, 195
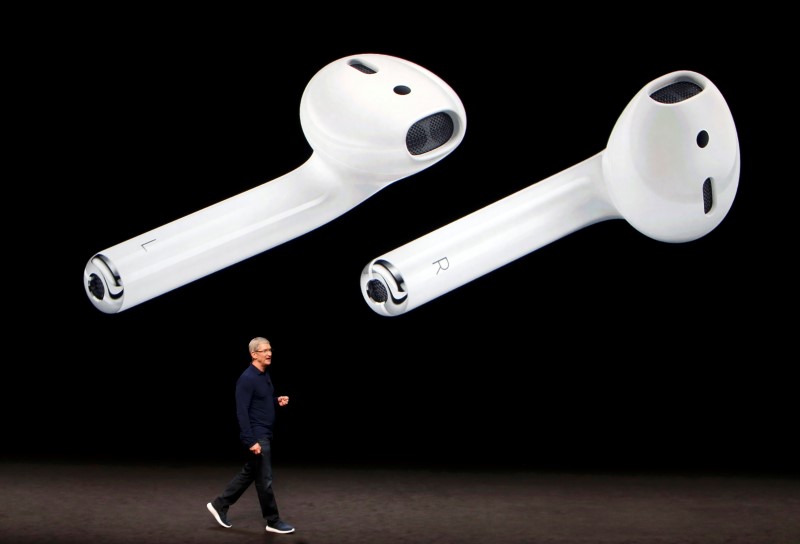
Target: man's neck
260, 366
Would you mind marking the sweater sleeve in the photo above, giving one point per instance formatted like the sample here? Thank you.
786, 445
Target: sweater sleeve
244, 395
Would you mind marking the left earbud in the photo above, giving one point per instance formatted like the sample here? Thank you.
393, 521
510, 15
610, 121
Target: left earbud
370, 119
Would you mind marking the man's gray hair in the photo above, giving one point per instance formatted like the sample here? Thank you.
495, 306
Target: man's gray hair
257, 341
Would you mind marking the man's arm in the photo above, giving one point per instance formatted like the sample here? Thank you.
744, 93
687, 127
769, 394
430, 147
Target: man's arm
244, 395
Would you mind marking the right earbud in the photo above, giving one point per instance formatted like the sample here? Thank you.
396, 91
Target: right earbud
670, 168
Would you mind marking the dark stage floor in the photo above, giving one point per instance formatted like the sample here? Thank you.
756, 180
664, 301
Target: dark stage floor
73, 503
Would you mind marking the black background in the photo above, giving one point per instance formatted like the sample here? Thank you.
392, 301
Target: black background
603, 350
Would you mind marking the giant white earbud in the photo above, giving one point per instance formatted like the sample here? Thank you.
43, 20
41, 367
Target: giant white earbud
370, 119
670, 168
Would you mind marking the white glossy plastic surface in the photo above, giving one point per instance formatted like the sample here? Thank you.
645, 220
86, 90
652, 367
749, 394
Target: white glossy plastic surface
653, 173
357, 126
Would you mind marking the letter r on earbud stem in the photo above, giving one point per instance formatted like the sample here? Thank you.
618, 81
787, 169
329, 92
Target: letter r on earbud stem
370, 119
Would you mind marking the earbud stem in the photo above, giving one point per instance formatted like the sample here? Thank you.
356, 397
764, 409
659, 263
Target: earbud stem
491, 237
220, 235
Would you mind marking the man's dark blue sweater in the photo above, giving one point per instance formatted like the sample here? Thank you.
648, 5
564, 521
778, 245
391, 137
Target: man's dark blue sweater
255, 405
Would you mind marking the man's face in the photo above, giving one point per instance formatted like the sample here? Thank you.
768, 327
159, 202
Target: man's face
264, 354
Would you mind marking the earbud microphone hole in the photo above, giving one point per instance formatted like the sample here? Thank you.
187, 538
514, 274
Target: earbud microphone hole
708, 197
377, 291
96, 287
361, 67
